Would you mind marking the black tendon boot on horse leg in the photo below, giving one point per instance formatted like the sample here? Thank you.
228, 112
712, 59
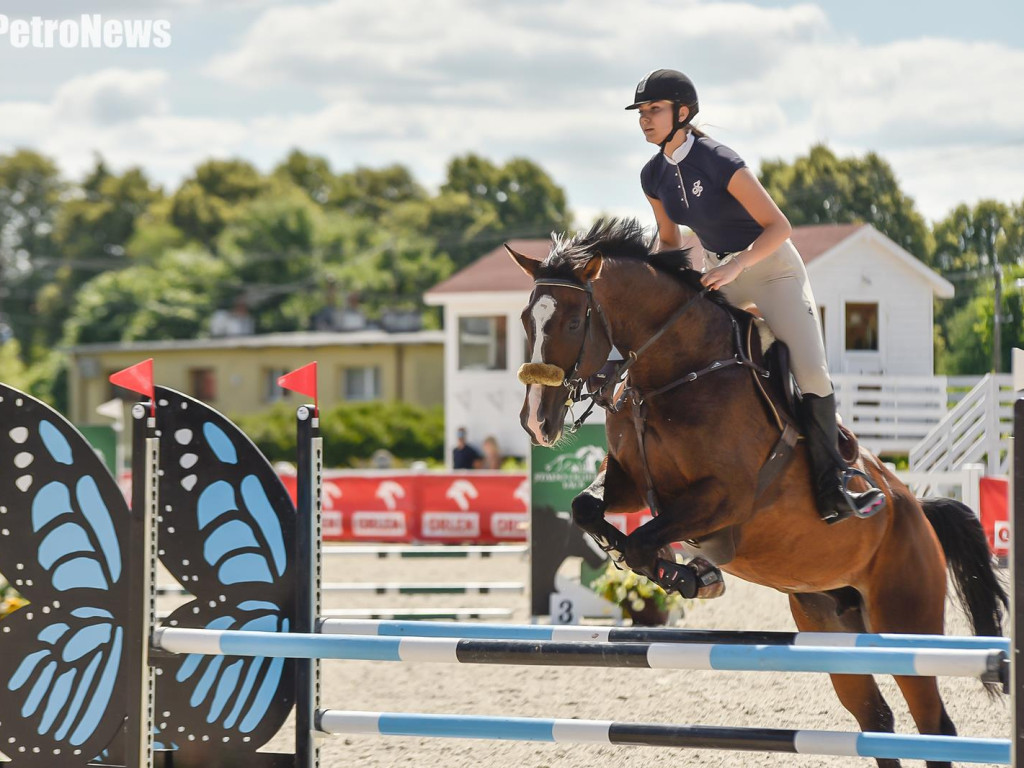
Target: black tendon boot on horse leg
829, 474
648, 554
698, 578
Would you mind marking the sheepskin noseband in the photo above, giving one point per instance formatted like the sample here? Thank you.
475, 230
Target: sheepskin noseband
541, 373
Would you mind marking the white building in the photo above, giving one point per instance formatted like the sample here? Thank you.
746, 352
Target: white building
875, 301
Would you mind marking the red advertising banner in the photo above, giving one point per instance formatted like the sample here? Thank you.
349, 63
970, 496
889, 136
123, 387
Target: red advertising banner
437, 508
995, 507
440, 508
474, 506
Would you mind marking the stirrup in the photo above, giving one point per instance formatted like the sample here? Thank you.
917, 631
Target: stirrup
876, 500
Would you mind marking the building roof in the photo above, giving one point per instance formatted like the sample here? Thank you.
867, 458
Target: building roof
815, 240
268, 340
495, 271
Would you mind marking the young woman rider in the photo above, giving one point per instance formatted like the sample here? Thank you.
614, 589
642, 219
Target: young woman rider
747, 255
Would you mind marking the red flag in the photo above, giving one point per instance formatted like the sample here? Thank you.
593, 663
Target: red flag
301, 380
137, 378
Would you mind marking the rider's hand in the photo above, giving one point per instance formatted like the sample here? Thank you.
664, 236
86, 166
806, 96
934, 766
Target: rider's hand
723, 275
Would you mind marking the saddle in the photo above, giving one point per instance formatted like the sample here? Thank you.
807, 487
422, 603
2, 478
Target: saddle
780, 395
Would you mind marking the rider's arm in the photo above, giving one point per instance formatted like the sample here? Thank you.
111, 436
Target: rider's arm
745, 187
669, 238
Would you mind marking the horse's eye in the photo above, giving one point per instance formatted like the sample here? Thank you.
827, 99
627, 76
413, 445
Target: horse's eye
574, 324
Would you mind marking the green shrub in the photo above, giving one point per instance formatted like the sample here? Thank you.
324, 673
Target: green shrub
353, 431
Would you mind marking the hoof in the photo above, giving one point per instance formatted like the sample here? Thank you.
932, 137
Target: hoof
709, 579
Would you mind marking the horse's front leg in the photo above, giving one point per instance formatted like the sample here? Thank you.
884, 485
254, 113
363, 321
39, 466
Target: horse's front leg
611, 491
648, 548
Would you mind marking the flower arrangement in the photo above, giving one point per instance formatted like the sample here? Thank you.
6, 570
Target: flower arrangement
10, 600
636, 593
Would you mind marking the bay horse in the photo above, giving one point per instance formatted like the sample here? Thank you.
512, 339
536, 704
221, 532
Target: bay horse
691, 437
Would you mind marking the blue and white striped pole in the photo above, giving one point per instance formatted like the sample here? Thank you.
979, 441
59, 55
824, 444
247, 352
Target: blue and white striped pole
834, 743
597, 634
883, 661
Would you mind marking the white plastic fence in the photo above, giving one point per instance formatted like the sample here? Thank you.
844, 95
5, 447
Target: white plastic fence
890, 414
976, 430
962, 484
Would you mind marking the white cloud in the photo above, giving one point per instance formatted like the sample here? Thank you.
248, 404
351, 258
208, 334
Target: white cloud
111, 97
394, 81
125, 116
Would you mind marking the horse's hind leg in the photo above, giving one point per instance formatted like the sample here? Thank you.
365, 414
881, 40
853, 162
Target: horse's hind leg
840, 612
916, 607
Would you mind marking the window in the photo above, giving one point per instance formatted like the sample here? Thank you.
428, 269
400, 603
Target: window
202, 384
273, 393
482, 343
862, 327
362, 383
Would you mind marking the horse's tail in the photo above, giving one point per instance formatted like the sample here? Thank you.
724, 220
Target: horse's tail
977, 585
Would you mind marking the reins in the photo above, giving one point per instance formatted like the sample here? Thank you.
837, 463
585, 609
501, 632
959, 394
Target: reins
634, 396
574, 383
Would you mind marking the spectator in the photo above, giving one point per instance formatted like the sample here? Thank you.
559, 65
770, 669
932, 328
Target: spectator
464, 455
492, 456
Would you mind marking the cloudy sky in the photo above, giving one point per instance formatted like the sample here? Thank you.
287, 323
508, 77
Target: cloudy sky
934, 86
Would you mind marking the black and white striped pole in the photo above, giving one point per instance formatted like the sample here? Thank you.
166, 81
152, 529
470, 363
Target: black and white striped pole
308, 563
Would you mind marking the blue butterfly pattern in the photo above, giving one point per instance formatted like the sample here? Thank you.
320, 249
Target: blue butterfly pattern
61, 673
226, 533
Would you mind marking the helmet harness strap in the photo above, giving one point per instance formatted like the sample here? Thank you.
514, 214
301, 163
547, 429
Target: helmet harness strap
676, 123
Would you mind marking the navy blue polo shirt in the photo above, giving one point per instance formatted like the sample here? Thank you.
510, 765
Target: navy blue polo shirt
694, 193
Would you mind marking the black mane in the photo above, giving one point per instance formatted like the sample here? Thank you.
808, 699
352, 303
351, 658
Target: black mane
620, 239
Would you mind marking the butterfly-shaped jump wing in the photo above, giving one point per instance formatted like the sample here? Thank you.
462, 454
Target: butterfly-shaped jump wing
227, 533
63, 529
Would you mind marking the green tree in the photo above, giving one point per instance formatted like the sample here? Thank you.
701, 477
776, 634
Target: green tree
369, 192
172, 299
207, 202
820, 188
270, 247
90, 236
482, 204
30, 192
980, 248
310, 173
968, 334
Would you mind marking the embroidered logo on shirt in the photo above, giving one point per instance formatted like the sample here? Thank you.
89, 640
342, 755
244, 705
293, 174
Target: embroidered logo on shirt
697, 188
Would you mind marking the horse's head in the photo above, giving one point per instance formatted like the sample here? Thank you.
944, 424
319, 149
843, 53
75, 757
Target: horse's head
567, 342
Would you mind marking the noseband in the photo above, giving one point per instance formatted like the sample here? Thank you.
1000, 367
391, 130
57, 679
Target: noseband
544, 373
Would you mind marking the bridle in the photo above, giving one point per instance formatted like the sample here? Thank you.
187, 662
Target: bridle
572, 382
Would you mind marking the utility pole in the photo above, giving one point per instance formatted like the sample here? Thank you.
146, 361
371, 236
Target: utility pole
997, 319
997, 313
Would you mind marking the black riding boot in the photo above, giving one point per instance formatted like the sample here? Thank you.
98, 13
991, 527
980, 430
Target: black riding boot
830, 475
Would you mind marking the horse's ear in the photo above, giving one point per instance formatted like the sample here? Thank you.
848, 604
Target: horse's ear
528, 265
592, 269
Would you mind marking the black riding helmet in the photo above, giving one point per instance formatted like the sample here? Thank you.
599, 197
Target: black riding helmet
668, 85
